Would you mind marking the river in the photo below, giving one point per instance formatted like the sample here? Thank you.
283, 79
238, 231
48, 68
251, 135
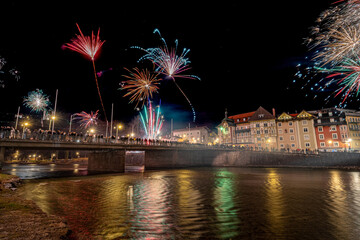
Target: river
203, 203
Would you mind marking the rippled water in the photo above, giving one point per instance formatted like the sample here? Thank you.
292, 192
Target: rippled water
206, 203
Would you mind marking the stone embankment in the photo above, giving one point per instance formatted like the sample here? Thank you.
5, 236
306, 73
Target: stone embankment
22, 219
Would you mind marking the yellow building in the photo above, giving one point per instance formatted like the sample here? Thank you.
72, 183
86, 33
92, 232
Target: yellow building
353, 130
296, 132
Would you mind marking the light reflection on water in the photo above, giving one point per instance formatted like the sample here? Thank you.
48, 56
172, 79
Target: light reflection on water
206, 203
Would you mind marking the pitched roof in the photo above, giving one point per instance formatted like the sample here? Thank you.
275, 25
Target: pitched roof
261, 114
241, 118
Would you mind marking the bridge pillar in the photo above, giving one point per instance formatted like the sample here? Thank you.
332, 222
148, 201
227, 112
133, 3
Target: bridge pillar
2, 156
107, 161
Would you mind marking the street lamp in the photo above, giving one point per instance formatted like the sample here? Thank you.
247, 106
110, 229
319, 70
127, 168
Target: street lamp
119, 126
71, 118
24, 127
51, 119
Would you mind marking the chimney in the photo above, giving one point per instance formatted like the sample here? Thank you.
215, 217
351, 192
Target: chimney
273, 112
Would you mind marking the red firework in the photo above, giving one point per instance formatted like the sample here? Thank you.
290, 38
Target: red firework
88, 46
87, 119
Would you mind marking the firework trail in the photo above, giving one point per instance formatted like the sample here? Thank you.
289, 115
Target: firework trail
37, 101
87, 119
152, 121
170, 64
141, 85
89, 47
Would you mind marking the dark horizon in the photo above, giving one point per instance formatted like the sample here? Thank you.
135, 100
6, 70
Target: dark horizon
244, 61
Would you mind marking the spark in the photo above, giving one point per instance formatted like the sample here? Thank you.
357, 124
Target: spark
87, 119
347, 77
88, 47
170, 64
152, 121
141, 85
37, 101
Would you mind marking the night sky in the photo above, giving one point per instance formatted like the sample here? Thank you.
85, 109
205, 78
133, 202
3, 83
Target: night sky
245, 53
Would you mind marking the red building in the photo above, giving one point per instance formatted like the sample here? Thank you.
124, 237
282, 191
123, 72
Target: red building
330, 128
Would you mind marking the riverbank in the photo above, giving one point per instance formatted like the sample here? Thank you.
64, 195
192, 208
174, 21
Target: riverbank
23, 219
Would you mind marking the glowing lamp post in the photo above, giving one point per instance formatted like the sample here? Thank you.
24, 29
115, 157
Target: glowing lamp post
117, 131
24, 127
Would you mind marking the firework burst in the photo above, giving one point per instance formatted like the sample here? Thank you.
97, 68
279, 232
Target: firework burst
88, 47
141, 85
347, 77
152, 121
170, 64
87, 119
336, 33
37, 101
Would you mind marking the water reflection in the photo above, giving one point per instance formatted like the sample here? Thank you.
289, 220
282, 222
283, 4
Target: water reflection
275, 203
206, 203
338, 213
190, 205
149, 214
35, 171
224, 205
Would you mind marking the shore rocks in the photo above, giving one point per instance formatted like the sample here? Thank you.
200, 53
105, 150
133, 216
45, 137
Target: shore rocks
11, 183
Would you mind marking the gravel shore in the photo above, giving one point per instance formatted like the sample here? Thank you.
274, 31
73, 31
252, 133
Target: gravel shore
22, 219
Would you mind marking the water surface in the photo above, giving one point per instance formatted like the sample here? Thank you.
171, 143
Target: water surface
206, 203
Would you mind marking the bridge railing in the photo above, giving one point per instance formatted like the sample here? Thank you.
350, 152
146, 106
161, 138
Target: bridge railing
73, 137
44, 135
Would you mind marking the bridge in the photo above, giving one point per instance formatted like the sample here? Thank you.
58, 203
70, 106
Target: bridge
113, 155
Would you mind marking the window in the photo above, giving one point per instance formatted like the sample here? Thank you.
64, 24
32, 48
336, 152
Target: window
336, 144
261, 115
321, 136
320, 129
279, 124
305, 129
322, 144
319, 121
332, 120
334, 135
291, 130
290, 123
280, 131
304, 122
257, 125
333, 128
282, 145
319, 114
265, 124
292, 138
306, 137
281, 138
307, 144
330, 114
293, 145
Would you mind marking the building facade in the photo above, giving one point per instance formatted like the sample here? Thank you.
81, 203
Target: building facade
263, 129
352, 132
331, 129
243, 137
193, 135
296, 132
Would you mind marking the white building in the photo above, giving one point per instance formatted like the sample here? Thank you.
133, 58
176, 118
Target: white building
193, 135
